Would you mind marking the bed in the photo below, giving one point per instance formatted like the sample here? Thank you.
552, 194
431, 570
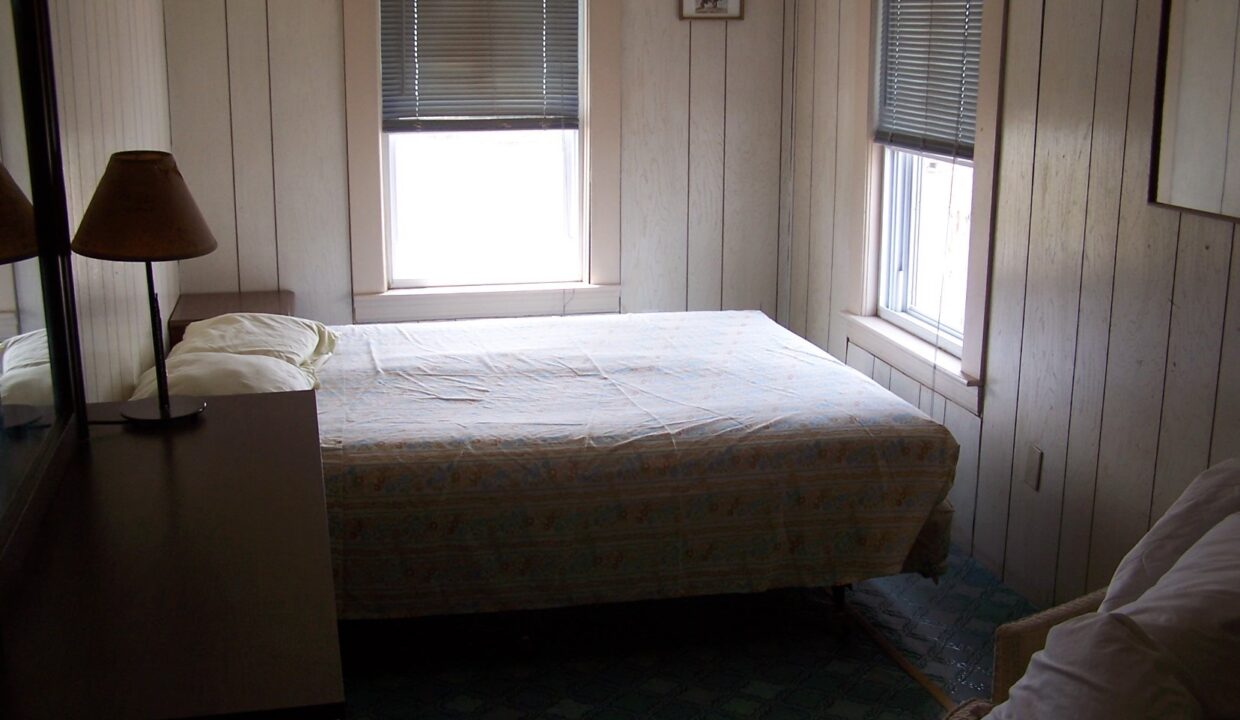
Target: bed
490, 465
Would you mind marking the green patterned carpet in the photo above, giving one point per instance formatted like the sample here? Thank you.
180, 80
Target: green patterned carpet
775, 655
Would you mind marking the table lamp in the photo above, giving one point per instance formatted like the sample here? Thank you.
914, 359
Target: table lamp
17, 242
142, 211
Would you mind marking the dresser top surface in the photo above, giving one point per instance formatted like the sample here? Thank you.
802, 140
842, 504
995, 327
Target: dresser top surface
181, 572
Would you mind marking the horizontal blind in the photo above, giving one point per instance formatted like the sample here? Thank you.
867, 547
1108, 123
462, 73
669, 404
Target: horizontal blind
931, 50
479, 64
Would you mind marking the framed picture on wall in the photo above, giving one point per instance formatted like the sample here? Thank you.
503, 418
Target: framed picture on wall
712, 9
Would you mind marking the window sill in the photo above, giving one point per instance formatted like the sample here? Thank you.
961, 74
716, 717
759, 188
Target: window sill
458, 303
916, 358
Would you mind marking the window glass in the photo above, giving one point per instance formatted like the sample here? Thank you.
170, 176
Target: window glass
927, 203
482, 162
483, 207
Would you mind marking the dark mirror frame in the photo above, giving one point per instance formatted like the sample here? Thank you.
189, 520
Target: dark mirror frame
32, 30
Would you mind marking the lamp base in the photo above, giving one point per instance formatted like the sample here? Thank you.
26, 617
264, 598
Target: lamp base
146, 411
13, 417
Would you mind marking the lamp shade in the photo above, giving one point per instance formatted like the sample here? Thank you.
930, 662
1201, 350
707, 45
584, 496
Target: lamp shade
17, 238
142, 212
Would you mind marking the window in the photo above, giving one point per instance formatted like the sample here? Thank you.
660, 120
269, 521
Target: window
482, 143
929, 57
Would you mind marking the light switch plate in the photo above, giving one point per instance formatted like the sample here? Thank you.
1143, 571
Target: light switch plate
1033, 468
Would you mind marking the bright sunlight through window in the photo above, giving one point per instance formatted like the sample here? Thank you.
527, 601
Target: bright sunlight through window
484, 207
927, 203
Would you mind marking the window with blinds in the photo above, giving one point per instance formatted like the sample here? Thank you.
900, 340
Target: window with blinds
929, 56
501, 203
479, 64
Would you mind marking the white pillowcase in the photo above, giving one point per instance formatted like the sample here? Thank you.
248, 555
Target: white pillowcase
209, 373
1100, 667
27, 386
1193, 612
1212, 496
24, 351
296, 341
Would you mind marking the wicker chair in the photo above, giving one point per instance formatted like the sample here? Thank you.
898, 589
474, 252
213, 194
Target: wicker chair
1015, 644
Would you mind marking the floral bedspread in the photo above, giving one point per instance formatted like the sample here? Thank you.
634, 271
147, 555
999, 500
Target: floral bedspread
488, 465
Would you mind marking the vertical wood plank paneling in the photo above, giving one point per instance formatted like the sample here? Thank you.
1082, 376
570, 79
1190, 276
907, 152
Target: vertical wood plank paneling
605, 68
804, 84
967, 429
1202, 106
751, 159
1052, 287
202, 136
249, 85
1007, 283
653, 156
73, 90
822, 202
112, 94
1225, 442
1144, 267
311, 188
1106, 164
852, 162
1202, 267
704, 271
783, 279
882, 373
908, 389
861, 360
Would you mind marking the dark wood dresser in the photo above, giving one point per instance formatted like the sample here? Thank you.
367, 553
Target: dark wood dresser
181, 573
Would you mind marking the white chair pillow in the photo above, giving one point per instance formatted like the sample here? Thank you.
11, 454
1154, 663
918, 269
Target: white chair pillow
202, 374
1212, 496
1193, 612
1100, 667
293, 340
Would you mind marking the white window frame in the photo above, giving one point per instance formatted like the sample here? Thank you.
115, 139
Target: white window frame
958, 377
374, 300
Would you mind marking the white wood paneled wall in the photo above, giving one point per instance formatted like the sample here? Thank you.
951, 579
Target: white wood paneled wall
1114, 325
21, 289
829, 145
257, 104
112, 91
702, 126
258, 127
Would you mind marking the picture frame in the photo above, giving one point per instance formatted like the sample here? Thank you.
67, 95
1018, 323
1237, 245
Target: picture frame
712, 9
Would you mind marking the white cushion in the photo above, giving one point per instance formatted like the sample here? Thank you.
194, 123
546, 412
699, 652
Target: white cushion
1100, 667
24, 351
1212, 496
200, 374
294, 340
1193, 612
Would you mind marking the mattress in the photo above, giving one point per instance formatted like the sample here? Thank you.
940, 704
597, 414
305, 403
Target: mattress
487, 465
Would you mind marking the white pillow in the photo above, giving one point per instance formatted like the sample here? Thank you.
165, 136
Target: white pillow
24, 351
1193, 612
1212, 496
294, 340
201, 374
1100, 667
27, 386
